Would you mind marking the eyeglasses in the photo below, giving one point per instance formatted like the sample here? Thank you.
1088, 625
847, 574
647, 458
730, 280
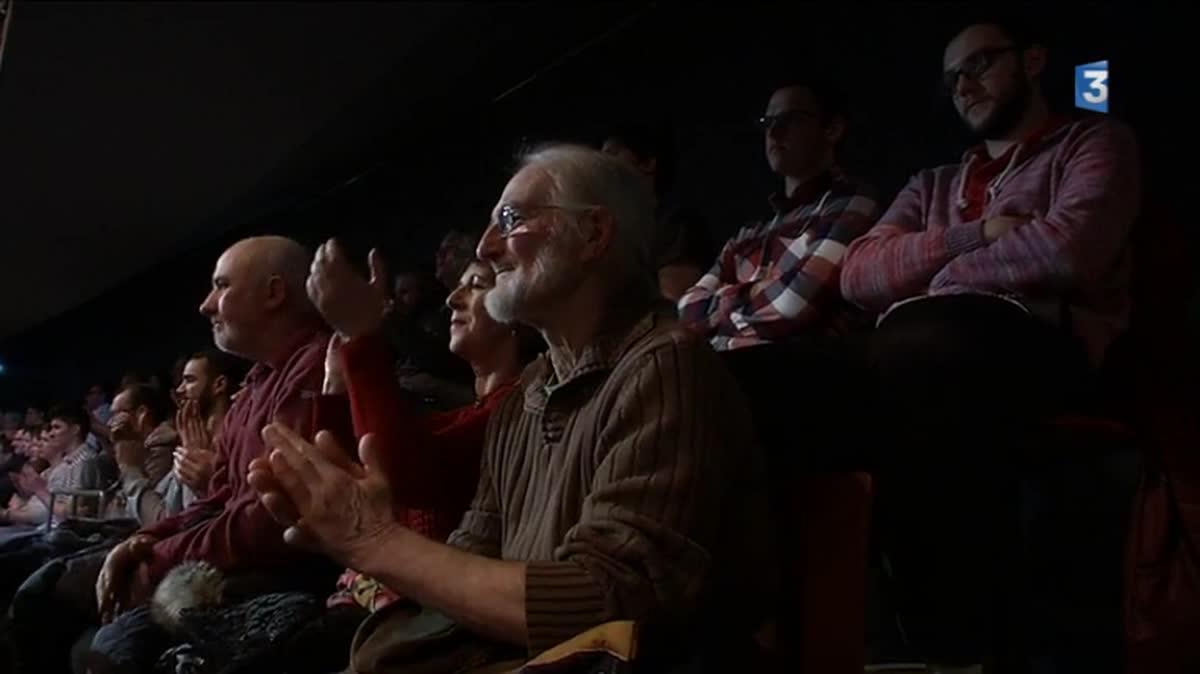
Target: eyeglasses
975, 66
786, 118
509, 217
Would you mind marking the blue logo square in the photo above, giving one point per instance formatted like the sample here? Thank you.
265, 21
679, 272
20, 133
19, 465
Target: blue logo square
1091, 86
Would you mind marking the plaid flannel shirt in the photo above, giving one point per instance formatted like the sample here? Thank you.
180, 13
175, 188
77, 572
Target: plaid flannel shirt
781, 276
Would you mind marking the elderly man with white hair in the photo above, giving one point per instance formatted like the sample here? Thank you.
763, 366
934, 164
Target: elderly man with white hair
622, 482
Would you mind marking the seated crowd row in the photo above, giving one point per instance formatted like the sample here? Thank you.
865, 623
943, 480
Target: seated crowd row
608, 462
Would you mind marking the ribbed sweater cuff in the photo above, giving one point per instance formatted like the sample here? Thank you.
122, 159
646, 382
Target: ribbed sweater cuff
561, 600
964, 237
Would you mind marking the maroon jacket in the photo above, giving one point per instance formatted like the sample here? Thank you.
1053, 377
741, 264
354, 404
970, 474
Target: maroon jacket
230, 529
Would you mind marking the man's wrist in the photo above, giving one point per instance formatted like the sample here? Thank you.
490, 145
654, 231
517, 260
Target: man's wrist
380, 554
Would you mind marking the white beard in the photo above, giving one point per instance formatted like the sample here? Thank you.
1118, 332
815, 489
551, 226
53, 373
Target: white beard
517, 299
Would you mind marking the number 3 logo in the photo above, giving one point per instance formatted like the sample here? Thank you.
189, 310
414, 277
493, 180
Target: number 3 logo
1098, 81
1091, 86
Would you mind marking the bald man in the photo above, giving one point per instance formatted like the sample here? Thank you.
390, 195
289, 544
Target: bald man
260, 311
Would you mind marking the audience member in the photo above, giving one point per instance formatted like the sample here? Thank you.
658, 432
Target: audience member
780, 277
35, 416
260, 311
416, 326
604, 492
999, 279
454, 253
683, 248
433, 459
72, 466
207, 385
144, 445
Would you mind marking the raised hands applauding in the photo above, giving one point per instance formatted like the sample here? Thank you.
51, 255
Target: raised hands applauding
324, 499
195, 458
352, 305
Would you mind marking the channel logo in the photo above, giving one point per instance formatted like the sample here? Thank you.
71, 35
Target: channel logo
1091, 86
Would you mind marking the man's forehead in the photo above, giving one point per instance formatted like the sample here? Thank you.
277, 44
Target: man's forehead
971, 40
790, 98
530, 184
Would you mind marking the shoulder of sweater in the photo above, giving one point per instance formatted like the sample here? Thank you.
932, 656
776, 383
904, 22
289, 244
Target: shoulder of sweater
1097, 130
670, 338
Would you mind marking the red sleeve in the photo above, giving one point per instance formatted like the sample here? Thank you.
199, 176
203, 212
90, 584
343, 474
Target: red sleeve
332, 413
432, 461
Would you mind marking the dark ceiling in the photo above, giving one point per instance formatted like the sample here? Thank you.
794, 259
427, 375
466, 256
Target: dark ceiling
139, 139
141, 128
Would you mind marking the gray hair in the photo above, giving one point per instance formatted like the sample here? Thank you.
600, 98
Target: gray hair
583, 176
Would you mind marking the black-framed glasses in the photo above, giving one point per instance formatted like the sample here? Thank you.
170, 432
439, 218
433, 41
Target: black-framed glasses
975, 66
784, 119
509, 217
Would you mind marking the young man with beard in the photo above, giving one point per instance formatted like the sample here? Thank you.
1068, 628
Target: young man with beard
620, 481
206, 388
1003, 281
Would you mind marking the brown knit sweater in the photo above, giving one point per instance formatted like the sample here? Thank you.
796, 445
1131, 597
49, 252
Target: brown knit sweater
632, 487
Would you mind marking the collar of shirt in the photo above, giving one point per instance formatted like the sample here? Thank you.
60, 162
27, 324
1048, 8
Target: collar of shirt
601, 355
260, 369
807, 191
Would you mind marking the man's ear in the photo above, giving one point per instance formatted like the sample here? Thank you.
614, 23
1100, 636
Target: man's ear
835, 130
220, 385
276, 292
598, 234
1034, 61
648, 166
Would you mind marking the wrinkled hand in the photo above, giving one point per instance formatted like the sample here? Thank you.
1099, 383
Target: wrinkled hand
194, 467
192, 427
321, 496
124, 581
123, 429
994, 228
353, 305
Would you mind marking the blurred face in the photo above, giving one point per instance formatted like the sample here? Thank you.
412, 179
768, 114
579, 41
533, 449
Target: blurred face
472, 331
123, 406
617, 149
453, 255
37, 445
34, 417
408, 294
988, 81
197, 383
61, 437
21, 442
538, 262
796, 139
94, 398
236, 303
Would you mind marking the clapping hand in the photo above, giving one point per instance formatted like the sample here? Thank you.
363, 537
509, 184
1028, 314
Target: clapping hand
324, 499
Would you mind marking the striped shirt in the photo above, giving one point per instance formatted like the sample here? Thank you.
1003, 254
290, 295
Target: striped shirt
781, 276
631, 488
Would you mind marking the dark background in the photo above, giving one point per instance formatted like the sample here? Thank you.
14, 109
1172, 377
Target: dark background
387, 124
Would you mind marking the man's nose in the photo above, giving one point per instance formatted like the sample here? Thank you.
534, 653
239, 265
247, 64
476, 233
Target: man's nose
491, 244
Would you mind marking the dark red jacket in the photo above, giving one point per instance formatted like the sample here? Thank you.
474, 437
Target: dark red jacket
229, 528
